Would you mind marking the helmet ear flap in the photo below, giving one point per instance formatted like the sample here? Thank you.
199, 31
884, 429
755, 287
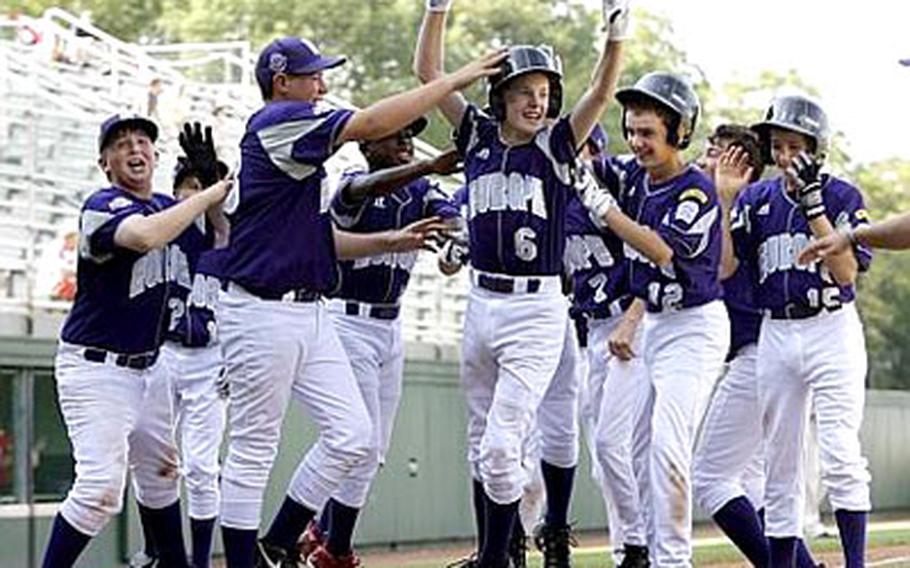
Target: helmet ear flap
554, 105
689, 129
497, 105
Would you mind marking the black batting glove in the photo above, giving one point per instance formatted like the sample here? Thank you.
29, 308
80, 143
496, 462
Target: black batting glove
804, 170
199, 148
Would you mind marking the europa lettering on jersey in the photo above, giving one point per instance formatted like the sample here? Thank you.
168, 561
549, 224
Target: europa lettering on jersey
582, 249
499, 192
779, 252
402, 260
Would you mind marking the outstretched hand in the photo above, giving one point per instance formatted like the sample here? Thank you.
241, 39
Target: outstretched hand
446, 163
616, 19
732, 172
804, 173
832, 244
418, 235
484, 66
199, 148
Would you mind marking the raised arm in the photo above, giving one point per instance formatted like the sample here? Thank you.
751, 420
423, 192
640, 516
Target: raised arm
144, 233
382, 182
393, 113
731, 175
606, 212
592, 104
804, 172
429, 58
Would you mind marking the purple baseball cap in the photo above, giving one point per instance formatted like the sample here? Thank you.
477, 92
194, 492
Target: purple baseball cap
115, 123
292, 56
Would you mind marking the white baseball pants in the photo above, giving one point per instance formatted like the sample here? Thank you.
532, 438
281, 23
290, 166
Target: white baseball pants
200, 414
116, 418
684, 355
512, 346
729, 454
374, 348
620, 430
821, 358
274, 350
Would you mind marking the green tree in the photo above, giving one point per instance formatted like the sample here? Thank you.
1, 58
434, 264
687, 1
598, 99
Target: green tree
128, 20
884, 294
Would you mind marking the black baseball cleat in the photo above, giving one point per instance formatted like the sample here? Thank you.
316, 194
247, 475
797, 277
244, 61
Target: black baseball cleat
271, 556
554, 543
634, 557
518, 547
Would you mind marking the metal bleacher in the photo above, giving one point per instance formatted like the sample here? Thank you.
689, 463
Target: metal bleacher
60, 76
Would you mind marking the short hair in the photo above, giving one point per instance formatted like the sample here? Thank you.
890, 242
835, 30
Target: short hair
745, 138
668, 116
266, 90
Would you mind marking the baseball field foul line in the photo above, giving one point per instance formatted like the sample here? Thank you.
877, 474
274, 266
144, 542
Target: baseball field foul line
885, 526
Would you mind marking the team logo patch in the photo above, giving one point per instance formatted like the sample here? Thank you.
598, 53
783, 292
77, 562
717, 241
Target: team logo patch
861, 215
764, 209
843, 220
119, 203
694, 193
483, 154
278, 62
686, 212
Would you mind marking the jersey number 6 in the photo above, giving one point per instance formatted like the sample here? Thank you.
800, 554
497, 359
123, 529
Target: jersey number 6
525, 249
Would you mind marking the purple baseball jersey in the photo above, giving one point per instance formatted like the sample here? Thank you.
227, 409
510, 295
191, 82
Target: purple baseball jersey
281, 230
193, 297
383, 278
516, 195
594, 260
745, 317
769, 231
684, 211
121, 293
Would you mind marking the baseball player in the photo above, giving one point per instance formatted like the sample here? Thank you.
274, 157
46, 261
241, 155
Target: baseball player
811, 342
365, 306
278, 340
519, 162
615, 391
195, 368
728, 468
112, 386
674, 252
454, 254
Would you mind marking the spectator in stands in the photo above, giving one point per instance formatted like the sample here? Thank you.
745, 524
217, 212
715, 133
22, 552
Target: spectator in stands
65, 287
156, 85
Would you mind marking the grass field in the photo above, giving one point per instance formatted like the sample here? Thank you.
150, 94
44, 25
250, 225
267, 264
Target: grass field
888, 545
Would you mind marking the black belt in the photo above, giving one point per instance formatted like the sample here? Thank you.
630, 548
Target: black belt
375, 312
505, 285
302, 295
138, 361
799, 311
